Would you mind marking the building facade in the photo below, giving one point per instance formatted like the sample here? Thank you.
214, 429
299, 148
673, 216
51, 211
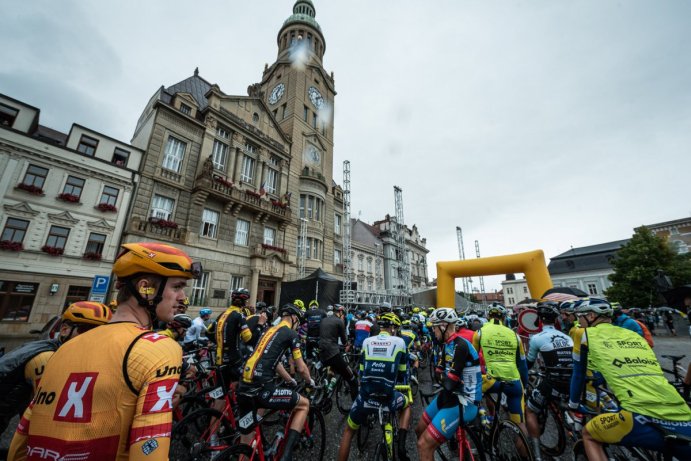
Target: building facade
586, 268
233, 180
65, 200
514, 290
677, 233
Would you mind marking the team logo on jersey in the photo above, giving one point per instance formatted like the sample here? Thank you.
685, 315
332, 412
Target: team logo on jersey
159, 396
153, 337
34, 452
76, 398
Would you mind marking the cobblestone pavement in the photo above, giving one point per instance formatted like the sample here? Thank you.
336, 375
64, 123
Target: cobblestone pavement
335, 422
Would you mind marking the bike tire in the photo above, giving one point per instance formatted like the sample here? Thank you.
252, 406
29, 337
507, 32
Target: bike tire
552, 433
342, 395
380, 453
311, 447
510, 443
474, 452
195, 438
363, 433
236, 453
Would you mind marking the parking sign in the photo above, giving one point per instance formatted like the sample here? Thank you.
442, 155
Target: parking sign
100, 285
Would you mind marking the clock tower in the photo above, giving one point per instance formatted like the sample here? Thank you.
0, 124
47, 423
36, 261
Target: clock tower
300, 95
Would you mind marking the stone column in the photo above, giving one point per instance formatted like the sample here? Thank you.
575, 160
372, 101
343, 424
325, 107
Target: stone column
254, 287
238, 166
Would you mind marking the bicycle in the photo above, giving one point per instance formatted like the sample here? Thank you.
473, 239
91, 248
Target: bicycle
678, 373
388, 421
552, 422
465, 443
310, 446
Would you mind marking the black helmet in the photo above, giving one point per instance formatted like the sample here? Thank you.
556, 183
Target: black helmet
260, 306
181, 321
290, 309
384, 307
240, 293
548, 310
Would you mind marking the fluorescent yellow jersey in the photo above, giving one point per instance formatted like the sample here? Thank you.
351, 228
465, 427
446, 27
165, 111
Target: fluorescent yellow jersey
33, 370
104, 395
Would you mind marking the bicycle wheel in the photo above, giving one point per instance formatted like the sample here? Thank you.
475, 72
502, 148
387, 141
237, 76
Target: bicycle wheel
510, 444
236, 453
342, 396
552, 432
201, 435
472, 450
380, 453
311, 445
363, 432
620, 453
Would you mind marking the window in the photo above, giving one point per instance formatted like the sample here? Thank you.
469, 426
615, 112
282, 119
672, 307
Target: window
369, 265
314, 120
35, 176
269, 235
15, 230
95, 244
16, 300
525, 289
219, 155
311, 207
74, 186
337, 224
271, 183
222, 132
236, 282
162, 207
242, 232
250, 149
360, 265
87, 145
247, 174
109, 195
198, 297
57, 237
510, 301
592, 289
305, 112
337, 256
283, 111
75, 293
7, 115
209, 223
174, 154
120, 157
316, 249
370, 285
185, 109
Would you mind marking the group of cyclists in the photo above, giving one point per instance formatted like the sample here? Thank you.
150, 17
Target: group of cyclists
109, 392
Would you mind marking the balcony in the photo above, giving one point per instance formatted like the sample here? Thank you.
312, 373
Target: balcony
145, 228
212, 184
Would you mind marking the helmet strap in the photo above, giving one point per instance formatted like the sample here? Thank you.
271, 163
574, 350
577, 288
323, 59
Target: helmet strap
149, 305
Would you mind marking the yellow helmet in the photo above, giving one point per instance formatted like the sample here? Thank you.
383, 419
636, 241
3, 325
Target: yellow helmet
416, 310
154, 258
389, 319
88, 312
314, 304
299, 304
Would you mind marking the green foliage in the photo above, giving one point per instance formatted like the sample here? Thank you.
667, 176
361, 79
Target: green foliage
637, 264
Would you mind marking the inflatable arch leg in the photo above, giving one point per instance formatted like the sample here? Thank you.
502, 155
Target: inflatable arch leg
532, 264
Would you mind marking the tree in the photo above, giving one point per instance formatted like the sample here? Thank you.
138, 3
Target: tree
636, 265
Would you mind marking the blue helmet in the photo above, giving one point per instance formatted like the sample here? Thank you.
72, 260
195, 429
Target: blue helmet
205, 311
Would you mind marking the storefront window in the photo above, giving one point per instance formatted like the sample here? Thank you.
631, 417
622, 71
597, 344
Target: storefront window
16, 300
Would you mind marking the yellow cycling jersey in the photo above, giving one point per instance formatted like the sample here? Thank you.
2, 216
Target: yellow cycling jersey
104, 395
34, 368
501, 348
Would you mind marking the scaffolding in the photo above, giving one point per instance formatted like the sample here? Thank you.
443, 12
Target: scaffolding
346, 296
461, 255
402, 253
302, 240
482, 279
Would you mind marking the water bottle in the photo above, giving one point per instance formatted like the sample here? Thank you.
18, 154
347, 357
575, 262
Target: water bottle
484, 418
388, 433
331, 385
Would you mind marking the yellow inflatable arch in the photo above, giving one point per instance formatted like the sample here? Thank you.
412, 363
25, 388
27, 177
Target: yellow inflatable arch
532, 264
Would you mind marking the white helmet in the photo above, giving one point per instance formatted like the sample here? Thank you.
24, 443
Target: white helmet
443, 315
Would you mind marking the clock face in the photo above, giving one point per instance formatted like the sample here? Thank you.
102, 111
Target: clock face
313, 155
277, 93
315, 97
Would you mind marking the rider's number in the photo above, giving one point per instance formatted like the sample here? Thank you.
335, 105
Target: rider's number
246, 421
216, 393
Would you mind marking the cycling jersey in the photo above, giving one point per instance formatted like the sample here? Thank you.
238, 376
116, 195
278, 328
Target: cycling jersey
503, 352
314, 318
362, 331
331, 331
383, 361
554, 346
256, 329
627, 322
105, 395
630, 369
194, 332
260, 368
410, 339
231, 328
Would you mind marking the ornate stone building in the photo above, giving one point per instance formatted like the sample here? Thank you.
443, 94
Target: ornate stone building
65, 199
230, 179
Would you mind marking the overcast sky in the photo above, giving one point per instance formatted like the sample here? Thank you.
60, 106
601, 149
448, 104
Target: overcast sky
530, 124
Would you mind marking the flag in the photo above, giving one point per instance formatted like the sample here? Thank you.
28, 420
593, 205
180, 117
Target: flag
262, 190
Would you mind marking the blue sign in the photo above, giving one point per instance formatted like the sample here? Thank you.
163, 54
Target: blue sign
100, 285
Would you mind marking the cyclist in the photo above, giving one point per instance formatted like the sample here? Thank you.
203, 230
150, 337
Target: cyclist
257, 323
265, 362
331, 331
632, 372
314, 319
363, 330
622, 320
411, 341
107, 394
21, 369
462, 381
504, 360
230, 330
175, 329
194, 333
383, 363
555, 349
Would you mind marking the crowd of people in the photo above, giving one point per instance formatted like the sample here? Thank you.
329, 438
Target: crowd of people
108, 392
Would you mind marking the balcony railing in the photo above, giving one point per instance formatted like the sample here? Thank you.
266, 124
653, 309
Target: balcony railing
146, 228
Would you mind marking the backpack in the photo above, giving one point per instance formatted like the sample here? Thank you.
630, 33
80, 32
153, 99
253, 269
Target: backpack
646, 334
15, 391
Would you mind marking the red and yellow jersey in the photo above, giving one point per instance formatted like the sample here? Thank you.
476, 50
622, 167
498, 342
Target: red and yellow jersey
34, 368
104, 395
